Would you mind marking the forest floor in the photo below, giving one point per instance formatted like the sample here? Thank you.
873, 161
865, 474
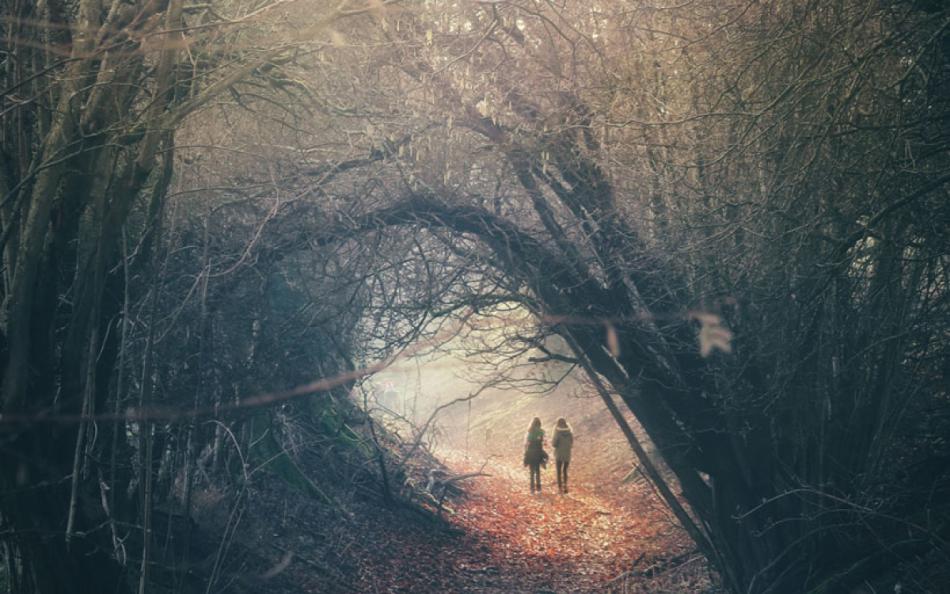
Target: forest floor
610, 534
594, 539
606, 535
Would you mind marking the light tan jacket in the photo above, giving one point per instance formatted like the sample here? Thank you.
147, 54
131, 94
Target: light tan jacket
562, 442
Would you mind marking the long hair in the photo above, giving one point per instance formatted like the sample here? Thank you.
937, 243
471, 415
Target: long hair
562, 425
533, 429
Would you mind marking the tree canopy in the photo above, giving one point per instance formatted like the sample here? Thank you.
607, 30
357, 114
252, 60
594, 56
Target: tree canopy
727, 212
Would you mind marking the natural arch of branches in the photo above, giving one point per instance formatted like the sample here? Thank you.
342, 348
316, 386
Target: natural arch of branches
728, 210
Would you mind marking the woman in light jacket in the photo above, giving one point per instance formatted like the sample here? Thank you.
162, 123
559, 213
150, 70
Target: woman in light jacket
562, 442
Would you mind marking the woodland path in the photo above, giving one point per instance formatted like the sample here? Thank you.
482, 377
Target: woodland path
511, 541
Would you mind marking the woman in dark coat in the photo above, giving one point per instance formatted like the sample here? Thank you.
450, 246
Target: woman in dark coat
562, 442
534, 454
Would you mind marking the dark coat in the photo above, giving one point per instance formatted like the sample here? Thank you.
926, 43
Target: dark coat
534, 449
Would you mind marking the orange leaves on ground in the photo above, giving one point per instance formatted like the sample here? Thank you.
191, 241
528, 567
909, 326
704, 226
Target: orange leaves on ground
583, 534
513, 541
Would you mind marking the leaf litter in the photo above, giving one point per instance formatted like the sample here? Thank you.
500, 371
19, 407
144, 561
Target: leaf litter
603, 536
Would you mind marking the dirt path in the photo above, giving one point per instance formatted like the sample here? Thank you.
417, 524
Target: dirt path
576, 542
514, 541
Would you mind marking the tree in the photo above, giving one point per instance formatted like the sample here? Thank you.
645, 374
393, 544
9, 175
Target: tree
727, 210
93, 97
720, 222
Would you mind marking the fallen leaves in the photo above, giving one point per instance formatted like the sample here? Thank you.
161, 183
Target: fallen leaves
576, 542
508, 540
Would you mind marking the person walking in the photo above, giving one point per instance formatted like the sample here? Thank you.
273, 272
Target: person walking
562, 442
534, 454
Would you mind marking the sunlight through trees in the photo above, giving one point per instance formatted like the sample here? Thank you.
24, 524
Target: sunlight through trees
219, 218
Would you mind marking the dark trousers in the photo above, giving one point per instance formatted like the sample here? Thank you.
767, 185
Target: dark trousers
562, 475
535, 476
